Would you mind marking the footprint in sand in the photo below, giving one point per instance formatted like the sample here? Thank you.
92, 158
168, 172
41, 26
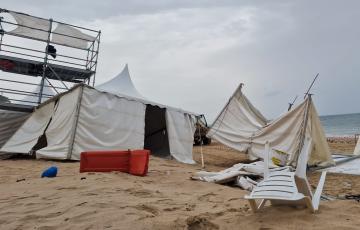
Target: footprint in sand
198, 223
211, 197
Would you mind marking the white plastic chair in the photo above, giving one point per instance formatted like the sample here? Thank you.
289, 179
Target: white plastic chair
285, 187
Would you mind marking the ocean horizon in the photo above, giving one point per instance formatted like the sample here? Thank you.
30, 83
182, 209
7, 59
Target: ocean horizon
341, 125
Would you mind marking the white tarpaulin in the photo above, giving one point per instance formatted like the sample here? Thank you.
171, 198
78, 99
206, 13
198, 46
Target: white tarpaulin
239, 127
39, 27
121, 84
181, 128
78, 39
10, 121
357, 148
86, 119
26, 137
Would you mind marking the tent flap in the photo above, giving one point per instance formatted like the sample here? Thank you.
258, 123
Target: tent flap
28, 134
59, 132
181, 128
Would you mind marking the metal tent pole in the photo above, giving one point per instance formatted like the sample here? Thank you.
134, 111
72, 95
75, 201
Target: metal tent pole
45, 62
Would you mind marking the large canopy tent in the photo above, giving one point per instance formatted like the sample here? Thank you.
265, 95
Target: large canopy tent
85, 118
242, 127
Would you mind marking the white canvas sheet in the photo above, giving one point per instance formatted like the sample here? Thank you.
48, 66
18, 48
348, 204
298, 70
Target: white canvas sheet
29, 21
73, 41
10, 121
108, 122
27, 135
60, 129
181, 128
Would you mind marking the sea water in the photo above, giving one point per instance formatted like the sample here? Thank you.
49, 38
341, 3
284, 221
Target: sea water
341, 125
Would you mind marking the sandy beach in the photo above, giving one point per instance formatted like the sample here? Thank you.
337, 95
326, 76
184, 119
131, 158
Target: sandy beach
165, 199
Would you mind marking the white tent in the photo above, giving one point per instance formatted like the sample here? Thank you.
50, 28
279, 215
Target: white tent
85, 119
357, 148
241, 126
121, 84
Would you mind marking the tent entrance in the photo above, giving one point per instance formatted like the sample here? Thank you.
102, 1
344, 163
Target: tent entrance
156, 136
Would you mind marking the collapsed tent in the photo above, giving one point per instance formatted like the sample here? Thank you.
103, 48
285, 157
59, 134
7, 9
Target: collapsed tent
242, 127
357, 148
86, 119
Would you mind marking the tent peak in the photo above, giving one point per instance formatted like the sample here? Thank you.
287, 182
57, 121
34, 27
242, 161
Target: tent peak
121, 84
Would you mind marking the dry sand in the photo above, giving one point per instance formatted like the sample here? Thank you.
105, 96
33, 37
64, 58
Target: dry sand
165, 199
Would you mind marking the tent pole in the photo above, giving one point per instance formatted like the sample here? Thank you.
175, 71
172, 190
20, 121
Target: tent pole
201, 149
312, 83
303, 130
75, 124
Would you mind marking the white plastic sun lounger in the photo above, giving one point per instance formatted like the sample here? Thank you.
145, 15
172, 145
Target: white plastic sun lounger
287, 188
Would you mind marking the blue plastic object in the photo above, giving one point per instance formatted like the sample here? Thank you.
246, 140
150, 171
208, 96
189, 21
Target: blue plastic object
50, 172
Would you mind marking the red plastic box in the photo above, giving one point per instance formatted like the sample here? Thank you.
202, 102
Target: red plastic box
105, 161
139, 162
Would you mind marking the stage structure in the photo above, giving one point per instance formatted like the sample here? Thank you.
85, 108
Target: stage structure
54, 51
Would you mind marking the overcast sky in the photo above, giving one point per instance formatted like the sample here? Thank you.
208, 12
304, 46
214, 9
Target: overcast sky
193, 54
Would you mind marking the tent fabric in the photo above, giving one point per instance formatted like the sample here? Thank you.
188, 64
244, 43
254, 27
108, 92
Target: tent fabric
236, 128
60, 129
27, 135
121, 84
357, 148
108, 122
181, 128
10, 121
78, 39
36, 23
237, 121
85, 119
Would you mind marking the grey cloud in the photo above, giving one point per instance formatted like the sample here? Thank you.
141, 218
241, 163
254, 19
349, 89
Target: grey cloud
193, 54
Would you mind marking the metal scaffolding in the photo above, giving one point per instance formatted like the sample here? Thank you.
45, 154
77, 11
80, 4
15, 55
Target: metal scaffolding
67, 63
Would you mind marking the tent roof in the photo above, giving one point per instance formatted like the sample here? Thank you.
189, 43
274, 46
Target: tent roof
130, 98
121, 84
